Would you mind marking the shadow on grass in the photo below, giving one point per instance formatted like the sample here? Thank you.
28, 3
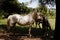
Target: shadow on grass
24, 30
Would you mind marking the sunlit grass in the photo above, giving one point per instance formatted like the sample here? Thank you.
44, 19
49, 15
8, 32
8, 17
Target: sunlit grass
52, 23
3, 21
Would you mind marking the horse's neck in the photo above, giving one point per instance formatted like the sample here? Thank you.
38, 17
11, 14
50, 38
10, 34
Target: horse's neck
34, 16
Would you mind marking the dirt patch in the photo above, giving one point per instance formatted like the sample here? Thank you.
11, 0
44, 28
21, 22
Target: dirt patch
27, 38
2, 39
5, 37
30, 39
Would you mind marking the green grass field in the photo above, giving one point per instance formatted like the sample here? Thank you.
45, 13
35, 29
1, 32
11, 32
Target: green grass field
52, 22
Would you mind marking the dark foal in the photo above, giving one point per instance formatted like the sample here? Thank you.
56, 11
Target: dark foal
45, 26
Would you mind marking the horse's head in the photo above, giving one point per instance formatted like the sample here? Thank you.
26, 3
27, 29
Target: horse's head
36, 15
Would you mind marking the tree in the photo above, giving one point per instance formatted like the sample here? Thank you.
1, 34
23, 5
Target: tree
43, 5
12, 6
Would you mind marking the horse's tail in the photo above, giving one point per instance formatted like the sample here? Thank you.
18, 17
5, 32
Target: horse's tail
8, 24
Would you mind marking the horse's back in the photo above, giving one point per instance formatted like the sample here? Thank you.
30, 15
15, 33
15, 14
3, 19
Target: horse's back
14, 15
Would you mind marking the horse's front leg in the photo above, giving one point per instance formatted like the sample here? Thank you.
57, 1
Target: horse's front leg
30, 30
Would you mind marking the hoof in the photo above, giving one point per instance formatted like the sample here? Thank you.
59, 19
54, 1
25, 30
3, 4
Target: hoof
29, 35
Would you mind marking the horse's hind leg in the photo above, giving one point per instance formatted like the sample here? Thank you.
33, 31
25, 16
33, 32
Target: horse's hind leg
8, 25
10, 29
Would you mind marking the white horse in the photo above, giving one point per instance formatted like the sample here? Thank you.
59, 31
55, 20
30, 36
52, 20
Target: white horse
22, 20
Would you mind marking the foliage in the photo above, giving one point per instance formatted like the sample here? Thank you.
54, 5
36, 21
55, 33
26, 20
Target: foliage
12, 6
8, 7
47, 1
43, 9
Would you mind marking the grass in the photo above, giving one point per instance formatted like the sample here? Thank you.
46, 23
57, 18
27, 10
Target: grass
20, 30
52, 23
3, 21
